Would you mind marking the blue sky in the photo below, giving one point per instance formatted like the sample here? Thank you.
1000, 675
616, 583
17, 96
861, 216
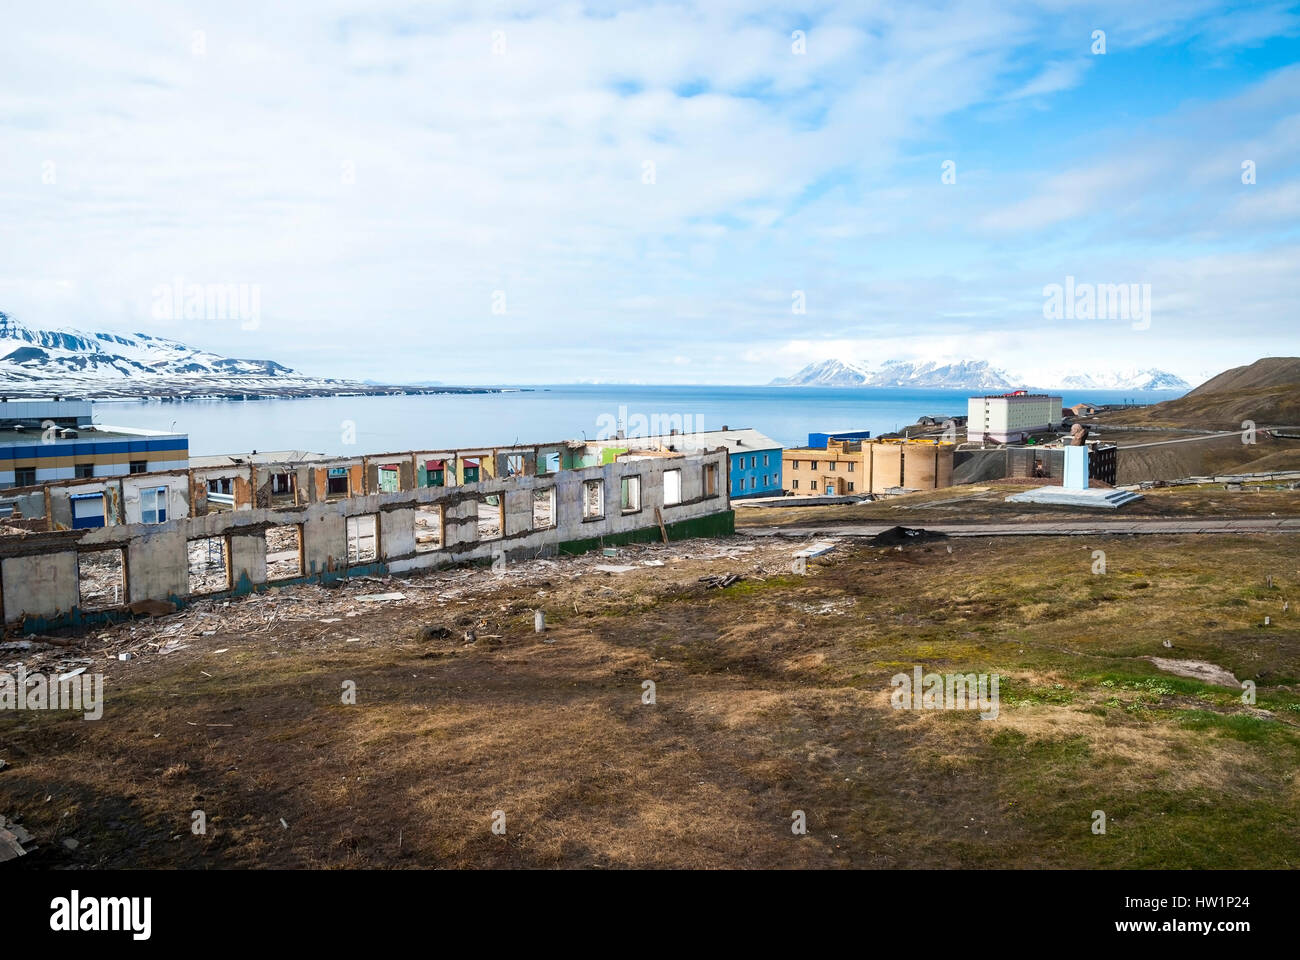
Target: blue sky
458, 191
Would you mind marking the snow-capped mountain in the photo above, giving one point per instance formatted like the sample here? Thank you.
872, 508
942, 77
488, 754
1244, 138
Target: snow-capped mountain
77, 353
963, 375
971, 375
97, 365
827, 373
1150, 379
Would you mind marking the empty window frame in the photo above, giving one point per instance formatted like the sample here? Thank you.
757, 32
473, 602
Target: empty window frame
101, 579
491, 516
548, 463
544, 508
153, 505
336, 482
672, 487
435, 473
514, 464
209, 563
593, 499
630, 494
283, 552
429, 524
710, 479
363, 538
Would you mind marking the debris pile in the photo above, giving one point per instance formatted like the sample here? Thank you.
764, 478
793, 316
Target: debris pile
321, 614
719, 581
895, 536
14, 841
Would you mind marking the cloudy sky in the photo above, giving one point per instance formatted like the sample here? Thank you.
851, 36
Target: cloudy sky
524, 192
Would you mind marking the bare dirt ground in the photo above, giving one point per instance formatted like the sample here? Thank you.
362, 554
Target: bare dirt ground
771, 697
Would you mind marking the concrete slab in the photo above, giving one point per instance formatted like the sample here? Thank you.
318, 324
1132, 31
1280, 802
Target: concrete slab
1093, 497
816, 550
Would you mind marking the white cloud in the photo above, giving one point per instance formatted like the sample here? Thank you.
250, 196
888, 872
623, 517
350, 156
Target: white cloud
380, 172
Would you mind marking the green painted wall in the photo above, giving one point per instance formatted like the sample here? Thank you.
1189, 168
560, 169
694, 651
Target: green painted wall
714, 525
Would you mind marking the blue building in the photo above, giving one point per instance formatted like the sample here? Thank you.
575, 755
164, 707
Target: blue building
818, 441
755, 462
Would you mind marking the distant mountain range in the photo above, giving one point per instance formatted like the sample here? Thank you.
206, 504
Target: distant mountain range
97, 365
113, 356
970, 375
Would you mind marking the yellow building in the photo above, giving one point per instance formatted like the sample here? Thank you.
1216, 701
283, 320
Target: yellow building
847, 467
835, 471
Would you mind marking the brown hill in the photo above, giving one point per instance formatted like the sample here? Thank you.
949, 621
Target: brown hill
1266, 391
1268, 372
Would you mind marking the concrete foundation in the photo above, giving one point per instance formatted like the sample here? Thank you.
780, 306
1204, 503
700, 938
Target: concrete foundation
1095, 497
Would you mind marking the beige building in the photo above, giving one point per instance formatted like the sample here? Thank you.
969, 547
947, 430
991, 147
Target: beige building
893, 465
848, 467
833, 472
1011, 417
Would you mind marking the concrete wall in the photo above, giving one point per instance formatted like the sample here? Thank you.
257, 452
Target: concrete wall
927, 466
177, 497
44, 582
39, 572
157, 564
886, 465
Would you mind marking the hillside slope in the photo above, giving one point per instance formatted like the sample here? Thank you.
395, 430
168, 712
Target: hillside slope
1266, 391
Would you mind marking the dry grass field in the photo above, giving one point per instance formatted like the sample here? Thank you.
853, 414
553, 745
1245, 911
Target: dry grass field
986, 503
772, 695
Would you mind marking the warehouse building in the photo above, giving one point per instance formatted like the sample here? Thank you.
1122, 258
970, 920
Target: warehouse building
853, 467
42, 441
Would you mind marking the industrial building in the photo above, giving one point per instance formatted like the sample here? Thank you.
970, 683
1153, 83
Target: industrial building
818, 441
907, 465
1011, 417
847, 467
42, 441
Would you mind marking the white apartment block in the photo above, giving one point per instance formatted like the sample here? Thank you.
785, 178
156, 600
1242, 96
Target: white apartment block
1011, 417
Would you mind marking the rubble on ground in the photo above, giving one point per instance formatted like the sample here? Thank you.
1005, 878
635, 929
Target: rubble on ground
327, 608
